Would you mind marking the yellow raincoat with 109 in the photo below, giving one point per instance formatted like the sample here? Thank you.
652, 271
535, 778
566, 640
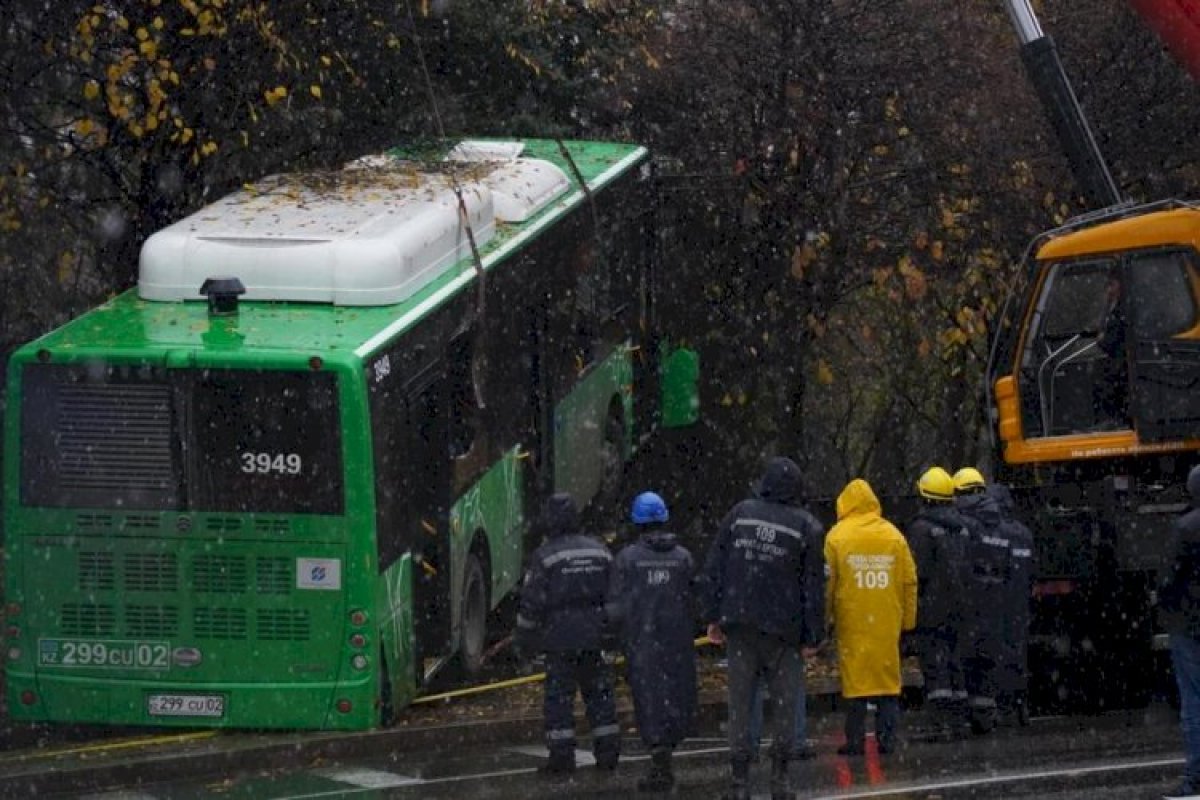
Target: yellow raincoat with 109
871, 593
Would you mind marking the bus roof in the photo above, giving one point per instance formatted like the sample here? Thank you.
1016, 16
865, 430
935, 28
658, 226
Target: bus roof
129, 323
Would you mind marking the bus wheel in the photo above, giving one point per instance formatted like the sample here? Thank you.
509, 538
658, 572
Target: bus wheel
474, 615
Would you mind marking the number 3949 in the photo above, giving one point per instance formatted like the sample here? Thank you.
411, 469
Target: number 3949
272, 463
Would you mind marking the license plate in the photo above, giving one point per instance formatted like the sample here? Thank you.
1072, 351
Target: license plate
186, 705
103, 654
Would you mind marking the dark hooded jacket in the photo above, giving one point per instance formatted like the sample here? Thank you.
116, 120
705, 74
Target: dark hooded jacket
651, 601
765, 569
938, 538
988, 557
562, 604
1019, 586
1179, 588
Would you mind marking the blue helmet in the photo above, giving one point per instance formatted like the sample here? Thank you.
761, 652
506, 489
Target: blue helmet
647, 508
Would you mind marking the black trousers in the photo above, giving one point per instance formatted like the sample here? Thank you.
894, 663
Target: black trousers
586, 671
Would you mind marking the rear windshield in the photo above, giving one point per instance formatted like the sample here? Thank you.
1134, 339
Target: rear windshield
195, 440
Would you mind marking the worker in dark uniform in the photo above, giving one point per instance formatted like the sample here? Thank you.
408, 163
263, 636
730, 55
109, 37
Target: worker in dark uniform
562, 613
986, 614
651, 600
938, 537
1179, 598
764, 600
1014, 663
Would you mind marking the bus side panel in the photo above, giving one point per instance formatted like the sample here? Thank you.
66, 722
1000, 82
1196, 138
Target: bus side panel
394, 611
579, 422
493, 505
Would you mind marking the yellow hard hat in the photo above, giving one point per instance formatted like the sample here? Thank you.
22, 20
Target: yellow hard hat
936, 484
968, 479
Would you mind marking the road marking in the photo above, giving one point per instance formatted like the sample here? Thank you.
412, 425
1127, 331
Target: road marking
993, 780
366, 778
123, 744
582, 757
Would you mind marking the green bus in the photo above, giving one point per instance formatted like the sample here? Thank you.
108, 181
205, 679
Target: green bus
294, 470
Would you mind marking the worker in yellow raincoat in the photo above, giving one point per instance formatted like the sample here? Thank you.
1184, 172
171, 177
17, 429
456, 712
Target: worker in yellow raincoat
871, 598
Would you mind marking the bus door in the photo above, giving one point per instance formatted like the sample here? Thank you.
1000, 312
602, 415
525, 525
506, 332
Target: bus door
1164, 295
424, 451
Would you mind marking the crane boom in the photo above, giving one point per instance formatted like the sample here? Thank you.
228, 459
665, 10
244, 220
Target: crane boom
1040, 56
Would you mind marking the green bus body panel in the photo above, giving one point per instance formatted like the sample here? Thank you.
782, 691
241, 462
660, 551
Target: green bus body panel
579, 425
493, 507
680, 392
276, 683
395, 624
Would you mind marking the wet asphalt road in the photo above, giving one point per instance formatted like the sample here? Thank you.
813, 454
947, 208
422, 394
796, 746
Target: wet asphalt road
1120, 755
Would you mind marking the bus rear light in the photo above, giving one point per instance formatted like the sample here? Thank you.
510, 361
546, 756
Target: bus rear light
12, 632
358, 618
14, 654
315, 363
28, 698
12, 609
1053, 588
359, 662
358, 640
344, 706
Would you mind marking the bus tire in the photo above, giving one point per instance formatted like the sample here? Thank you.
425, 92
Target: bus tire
474, 614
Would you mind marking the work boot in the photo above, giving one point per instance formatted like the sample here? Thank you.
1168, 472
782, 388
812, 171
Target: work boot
781, 784
659, 778
561, 762
739, 781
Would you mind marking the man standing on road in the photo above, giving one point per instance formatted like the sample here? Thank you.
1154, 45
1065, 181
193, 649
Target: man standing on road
1179, 598
938, 538
1018, 590
986, 613
562, 613
651, 599
872, 599
764, 601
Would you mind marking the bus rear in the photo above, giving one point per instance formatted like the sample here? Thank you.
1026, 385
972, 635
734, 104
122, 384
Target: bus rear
178, 544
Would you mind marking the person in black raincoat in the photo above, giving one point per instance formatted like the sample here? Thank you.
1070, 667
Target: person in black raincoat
1014, 659
985, 623
938, 537
1179, 602
562, 612
764, 597
651, 600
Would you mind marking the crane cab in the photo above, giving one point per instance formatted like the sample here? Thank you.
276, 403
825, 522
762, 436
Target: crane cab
1101, 359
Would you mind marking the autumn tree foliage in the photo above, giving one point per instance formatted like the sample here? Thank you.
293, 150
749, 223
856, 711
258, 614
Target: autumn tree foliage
848, 184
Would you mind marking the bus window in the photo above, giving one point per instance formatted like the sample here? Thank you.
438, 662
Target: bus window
266, 441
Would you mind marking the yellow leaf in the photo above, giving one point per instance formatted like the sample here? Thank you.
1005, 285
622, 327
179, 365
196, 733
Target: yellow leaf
947, 218
880, 150
148, 49
802, 256
84, 126
91, 90
315, 90
937, 250
141, 34
158, 23
824, 372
